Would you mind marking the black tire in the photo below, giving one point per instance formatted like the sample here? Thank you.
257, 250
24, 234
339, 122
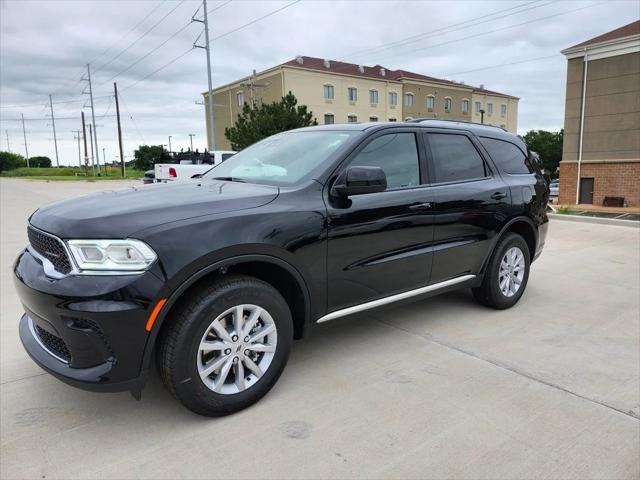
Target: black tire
177, 351
489, 292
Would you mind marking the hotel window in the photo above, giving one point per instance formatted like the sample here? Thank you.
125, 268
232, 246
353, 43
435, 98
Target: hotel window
373, 96
447, 104
392, 119
329, 119
431, 102
393, 98
408, 99
328, 92
478, 107
352, 94
240, 97
352, 119
503, 110
373, 119
465, 105
489, 108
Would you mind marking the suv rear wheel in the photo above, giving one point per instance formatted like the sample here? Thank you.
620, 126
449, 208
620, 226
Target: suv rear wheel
226, 345
507, 273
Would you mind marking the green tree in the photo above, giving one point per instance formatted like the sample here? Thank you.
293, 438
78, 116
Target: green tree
548, 145
256, 123
9, 161
148, 155
40, 162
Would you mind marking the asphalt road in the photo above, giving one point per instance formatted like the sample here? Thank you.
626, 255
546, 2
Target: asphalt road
441, 388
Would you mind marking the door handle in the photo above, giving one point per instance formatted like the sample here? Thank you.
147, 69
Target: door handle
499, 195
420, 206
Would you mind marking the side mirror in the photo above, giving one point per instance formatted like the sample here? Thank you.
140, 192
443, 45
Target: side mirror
360, 180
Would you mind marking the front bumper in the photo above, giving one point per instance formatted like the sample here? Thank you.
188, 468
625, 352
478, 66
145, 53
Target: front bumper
88, 331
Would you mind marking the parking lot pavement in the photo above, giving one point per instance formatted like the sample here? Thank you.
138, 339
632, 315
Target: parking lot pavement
439, 388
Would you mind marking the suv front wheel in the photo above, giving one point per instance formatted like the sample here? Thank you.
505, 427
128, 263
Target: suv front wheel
506, 275
226, 345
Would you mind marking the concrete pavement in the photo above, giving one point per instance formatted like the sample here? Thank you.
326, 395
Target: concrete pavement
442, 388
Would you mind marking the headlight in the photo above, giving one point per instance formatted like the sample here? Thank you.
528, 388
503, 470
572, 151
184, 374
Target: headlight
112, 255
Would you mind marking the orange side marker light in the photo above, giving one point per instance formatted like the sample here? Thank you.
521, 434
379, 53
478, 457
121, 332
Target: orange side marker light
154, 314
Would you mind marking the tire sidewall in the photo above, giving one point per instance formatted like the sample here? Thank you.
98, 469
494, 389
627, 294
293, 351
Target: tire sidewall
189, 386
501, 300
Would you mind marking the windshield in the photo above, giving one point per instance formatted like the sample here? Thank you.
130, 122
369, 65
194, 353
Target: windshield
283, 159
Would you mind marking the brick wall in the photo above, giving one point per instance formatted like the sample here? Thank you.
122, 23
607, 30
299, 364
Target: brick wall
620, 179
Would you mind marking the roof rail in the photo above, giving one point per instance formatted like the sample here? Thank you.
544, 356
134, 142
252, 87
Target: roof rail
425, 120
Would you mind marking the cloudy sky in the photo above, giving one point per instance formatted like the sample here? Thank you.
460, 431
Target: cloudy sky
509, 46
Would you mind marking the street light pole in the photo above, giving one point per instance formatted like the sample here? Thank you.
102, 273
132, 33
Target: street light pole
191, 135
169, 143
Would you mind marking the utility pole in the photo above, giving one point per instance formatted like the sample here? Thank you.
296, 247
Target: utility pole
115, 91
84, 138
76, 134
24, 134
93, 162
169, 143
207, 47
191, 135
53, 124
104, 160
8, 146
93, 115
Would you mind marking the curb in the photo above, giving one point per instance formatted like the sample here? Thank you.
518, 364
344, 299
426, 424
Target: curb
596, 220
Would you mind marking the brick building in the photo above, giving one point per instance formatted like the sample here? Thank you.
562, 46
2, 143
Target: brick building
601, 151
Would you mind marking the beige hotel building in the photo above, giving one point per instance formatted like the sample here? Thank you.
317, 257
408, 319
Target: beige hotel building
338, 92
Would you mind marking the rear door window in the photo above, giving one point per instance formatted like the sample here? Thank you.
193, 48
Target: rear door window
507, 156
454, 158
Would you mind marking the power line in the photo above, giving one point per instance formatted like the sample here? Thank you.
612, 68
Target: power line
491, 31
157, 70
59, 102
423, 35
139, 38
555, 55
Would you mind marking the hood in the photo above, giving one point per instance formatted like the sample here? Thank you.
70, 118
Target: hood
120, 213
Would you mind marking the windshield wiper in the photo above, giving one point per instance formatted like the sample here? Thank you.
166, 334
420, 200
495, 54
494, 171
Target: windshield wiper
230, 179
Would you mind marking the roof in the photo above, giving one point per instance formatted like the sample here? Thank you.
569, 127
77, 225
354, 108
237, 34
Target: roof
626, 31
375, 72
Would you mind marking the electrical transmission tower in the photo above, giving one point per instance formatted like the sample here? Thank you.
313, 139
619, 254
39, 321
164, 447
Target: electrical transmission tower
55, 138
207, 48
93, 114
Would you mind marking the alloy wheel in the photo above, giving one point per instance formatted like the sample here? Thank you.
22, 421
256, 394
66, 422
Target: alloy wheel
512, 270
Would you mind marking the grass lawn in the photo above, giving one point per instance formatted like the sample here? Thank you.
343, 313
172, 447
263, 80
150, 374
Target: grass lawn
71, 173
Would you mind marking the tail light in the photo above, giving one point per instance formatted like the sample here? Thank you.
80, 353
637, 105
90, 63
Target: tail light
172, 172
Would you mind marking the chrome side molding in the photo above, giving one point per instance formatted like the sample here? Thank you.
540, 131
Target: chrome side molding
394, 298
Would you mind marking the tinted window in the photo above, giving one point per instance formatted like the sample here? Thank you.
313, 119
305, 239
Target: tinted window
397, 155
455, 158
508, 157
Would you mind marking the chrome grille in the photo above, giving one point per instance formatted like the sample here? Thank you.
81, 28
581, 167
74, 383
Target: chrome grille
51, 248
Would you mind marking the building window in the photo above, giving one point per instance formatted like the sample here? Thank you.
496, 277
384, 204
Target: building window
328, 92
478, 107
373, 118
373, 96
431, 102
352, 119
393, 98
503, 110
329, 119
465, 105
240, 97
392, 119
489, 108
408, 99
352, 94
447, 104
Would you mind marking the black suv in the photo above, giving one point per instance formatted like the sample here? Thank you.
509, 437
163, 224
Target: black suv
216, 277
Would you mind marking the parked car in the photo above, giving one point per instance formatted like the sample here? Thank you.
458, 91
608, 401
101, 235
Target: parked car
149, 177
192, 168
554, 188
216, 278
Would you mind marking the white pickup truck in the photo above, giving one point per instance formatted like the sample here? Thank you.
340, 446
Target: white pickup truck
187, 169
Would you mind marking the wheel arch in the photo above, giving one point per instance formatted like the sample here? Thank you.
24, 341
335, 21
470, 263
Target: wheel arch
277, 272
524, 227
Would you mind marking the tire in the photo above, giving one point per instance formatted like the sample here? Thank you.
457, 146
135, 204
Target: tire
184, 362
491, 292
